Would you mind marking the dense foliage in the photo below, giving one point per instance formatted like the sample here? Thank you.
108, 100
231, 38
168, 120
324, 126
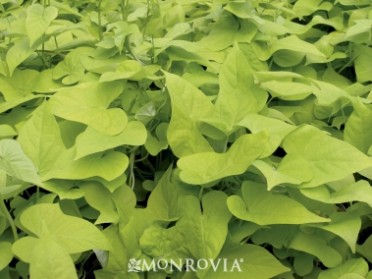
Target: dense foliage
149, 129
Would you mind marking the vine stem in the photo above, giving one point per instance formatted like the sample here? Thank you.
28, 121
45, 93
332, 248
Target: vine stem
132, 180
99, 20
7, 215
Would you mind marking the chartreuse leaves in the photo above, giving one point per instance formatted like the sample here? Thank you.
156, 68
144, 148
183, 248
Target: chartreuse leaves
38, 19
6, 254
107, 165
353, 268
96, 113
58, 262
358, 191
333, 159
164, 199
59, 235
21, 84
40, 138
205, 167
16, 164
346, 226
197, 234
275, 129
254, 260
92, 141
189, 105
236, 132
72, 233
259, 206
238, 93
52, 158
317, 246
356, 129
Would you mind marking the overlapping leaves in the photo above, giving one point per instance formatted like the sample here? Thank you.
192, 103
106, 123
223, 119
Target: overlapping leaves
232, 129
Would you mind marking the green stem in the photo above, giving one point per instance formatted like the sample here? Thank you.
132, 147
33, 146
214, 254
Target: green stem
132, 180
99, 20
7, 215
201, 193
123, 6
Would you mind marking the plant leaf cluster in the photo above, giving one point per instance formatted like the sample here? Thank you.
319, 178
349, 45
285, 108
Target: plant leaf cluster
185, 129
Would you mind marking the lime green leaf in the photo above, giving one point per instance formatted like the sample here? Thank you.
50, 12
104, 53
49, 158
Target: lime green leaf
317, 246
65, 189
357, 130
333, 159
45, 82
275, 129
53, 263
197, 234
100, 199
359, 33
253, 260
246, 11
189, 105
303, 263
204, 231
259, 206
158, 142
108, 165
205, 167
7, 131
41, 140
38, 19
158, 242
88, 104
73, 234
19, 85
25, 248
71, 68
132, 70
163, 201
365, 249
6, 255
353, 2
305, 7
348, 269
238, 93
294, 44
287, 90
273, 177
327, 93
346, 226
117, 264
5, 106
14, 162
358, 191
92, 141
18, 53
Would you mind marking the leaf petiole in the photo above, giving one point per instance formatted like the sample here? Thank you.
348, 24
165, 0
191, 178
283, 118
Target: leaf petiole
7, 215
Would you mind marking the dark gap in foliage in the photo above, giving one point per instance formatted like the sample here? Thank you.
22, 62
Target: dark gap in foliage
142, 203
349, 72
280, 152
303, 20
153, 86
364, 234
325, 28
171, 224
13, 263
88, 266
33, 190
320, 265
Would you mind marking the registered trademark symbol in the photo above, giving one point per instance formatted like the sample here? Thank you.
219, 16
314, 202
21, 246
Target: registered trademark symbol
241, 260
